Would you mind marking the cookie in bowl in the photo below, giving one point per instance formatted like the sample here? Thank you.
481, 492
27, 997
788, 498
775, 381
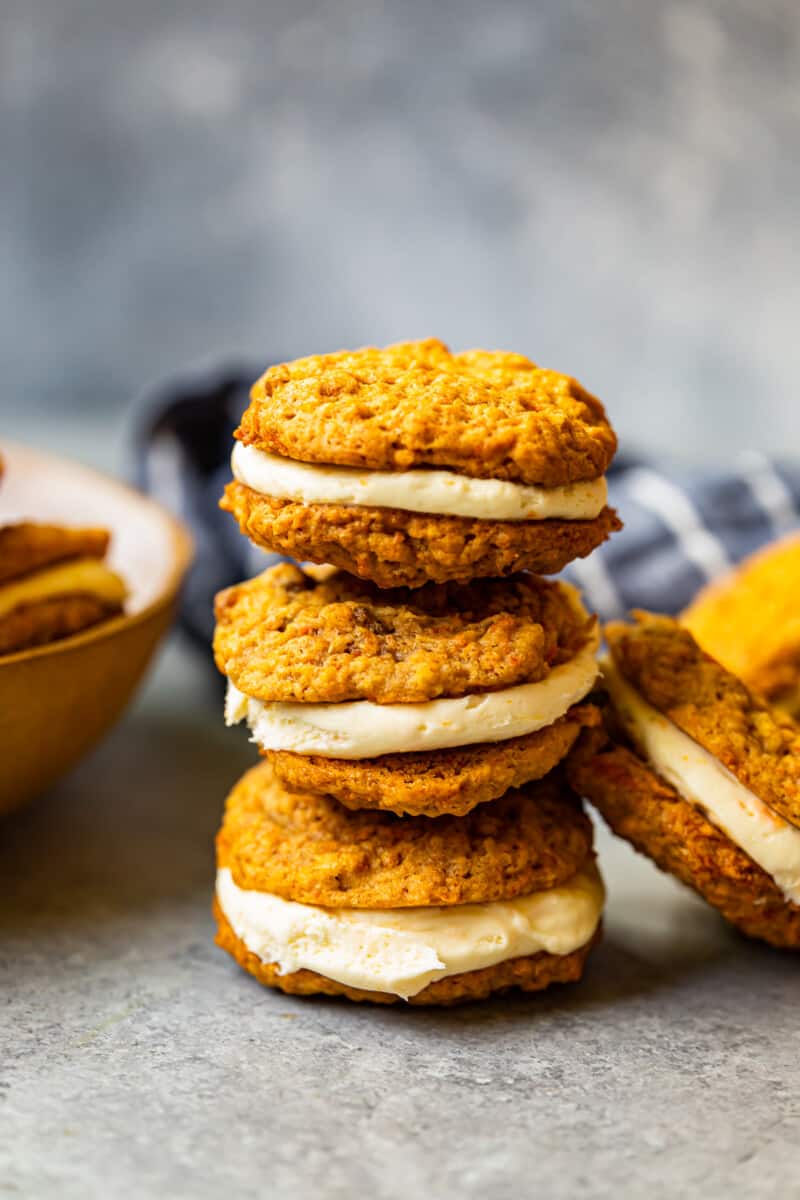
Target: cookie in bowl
420, 701
412, 464
54, 582
113, 593
700, 775
314, 898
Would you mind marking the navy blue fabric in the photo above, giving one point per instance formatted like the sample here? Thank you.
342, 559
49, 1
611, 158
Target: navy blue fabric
182, 449
683, 526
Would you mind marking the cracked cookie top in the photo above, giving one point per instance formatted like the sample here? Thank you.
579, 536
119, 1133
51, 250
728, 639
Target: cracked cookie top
286, 636
309, 849
488, 414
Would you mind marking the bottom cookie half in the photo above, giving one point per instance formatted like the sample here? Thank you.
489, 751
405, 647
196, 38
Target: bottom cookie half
439, 781
403, 549
530, 974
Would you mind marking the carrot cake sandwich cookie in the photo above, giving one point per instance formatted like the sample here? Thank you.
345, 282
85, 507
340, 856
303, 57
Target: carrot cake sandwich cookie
53, 583
423, 701
703, 778
750, 621
410, 463
312, 897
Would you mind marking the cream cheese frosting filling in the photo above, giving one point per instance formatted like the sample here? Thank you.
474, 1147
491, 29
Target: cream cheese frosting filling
402, 950
770, 841
82, 576
443, 493
362, 729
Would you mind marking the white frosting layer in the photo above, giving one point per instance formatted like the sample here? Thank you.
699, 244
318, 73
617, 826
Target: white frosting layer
361, 729
402, 950
76, 577
445, 493
769, 840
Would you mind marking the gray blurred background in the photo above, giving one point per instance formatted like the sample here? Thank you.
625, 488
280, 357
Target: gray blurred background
610, 187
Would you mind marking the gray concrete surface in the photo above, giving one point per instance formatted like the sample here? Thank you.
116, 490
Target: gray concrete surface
611, 187
137, 1061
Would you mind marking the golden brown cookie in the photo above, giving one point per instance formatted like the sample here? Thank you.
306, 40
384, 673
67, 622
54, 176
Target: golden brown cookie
530, 974
50, 620
27, 547
285, 636
440, 781
757, 744
53, 584
395, 548
309, 849
487, 414
479, 415
750, 622
646, 811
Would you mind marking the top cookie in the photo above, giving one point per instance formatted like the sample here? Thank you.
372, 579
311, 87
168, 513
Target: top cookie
309, 849
485, 414
754, 742
285, 636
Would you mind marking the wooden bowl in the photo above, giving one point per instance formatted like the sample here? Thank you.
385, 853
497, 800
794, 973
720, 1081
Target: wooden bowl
57, 701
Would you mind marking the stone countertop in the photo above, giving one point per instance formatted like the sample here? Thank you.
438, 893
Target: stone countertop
137, 1060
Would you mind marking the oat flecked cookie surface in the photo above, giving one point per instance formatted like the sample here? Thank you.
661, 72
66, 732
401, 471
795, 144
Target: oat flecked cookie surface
486, 414
757, 744
285, 636
750, 621
307, 848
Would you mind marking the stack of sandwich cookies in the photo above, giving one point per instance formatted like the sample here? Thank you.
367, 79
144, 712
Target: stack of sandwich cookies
701, 776
313, 898
412, 464
54, 582
425, 702
410, 834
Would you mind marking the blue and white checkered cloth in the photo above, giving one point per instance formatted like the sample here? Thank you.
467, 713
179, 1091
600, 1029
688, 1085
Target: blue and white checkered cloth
683, 526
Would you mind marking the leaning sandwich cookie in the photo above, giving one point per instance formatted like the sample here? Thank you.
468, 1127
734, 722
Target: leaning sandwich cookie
703, 777
54, 582
423, 701
311, 897
408, 464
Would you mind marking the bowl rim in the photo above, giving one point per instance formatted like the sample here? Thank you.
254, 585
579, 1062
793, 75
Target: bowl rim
183, 552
